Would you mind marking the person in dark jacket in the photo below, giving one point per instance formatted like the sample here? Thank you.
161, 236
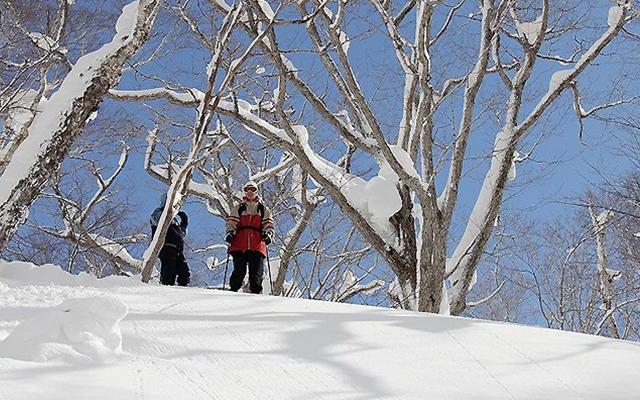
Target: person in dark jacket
173, 263
249, 230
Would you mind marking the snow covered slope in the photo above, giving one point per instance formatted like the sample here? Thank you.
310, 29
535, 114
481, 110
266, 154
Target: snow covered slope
188, 343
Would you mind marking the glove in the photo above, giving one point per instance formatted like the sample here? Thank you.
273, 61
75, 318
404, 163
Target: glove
230, 237
266, 238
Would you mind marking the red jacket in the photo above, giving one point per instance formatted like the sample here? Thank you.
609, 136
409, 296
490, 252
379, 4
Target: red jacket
249, 226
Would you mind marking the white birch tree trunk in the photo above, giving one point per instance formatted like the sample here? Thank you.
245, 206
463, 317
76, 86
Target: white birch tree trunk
53, 131
606, 276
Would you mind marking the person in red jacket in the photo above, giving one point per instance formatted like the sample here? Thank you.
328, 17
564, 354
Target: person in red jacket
249, 230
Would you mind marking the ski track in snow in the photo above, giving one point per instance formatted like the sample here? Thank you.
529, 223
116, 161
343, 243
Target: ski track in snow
189, 343
482, 366
532, 362
254, 345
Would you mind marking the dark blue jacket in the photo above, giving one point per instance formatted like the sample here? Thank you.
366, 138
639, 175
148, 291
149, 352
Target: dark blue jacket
177, 230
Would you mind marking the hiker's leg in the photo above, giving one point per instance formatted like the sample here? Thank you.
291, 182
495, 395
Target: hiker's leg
256, 271
183, 270
168, 260
239, 270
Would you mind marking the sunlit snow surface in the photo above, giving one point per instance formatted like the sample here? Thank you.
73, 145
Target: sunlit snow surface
189, 343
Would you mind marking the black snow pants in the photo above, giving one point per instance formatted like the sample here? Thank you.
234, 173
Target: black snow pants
255, 259
173, 264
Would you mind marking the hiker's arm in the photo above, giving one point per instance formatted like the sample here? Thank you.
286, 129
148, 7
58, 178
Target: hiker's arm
184, 220
267, 226
231, 224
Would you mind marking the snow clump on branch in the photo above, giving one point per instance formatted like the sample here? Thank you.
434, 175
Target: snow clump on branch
530, 30
614, 16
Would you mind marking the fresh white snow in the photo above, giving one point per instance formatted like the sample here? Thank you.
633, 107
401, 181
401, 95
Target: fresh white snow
266, 9
21, 112
558, 78
191, 343
512, 170
530, 30
604, 217
615, 13
78, 330
344, 42
45, 42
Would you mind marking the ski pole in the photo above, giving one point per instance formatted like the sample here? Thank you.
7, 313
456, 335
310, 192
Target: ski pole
224, 280
269, 270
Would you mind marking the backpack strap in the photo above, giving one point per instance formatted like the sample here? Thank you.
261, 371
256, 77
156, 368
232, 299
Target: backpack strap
261, 211
243, 208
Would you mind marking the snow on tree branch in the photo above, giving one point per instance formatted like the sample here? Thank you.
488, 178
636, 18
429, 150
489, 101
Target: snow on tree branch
54, 129
560, 82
